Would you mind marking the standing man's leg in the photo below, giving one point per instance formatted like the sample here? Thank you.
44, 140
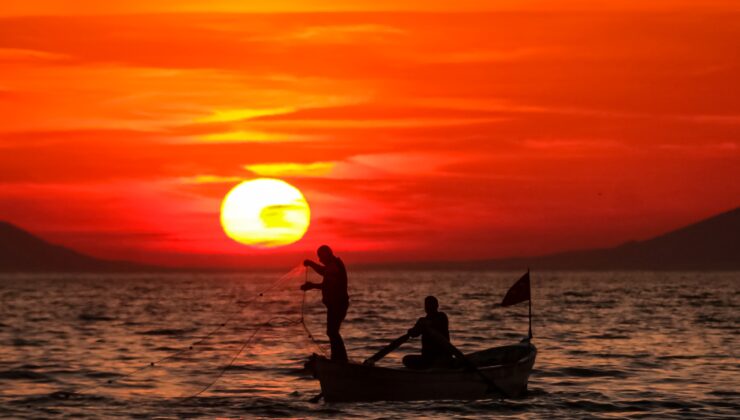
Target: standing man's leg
334, 318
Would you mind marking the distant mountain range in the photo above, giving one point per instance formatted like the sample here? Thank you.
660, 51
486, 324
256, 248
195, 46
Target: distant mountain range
21, 251
711, 244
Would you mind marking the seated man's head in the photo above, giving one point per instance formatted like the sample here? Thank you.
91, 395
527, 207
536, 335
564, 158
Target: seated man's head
431, 305
325, 254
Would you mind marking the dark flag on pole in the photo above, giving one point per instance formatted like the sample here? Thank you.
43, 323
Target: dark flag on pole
518, 293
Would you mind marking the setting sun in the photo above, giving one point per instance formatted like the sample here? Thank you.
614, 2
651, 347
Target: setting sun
265, 213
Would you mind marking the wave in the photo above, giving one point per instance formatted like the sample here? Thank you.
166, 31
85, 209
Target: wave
94, 317
168, 331
617, 355
577, 294
580, 372
608, 336
21, 342
681, 357
15, 374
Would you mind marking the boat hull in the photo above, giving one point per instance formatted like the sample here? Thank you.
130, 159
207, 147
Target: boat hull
356, 382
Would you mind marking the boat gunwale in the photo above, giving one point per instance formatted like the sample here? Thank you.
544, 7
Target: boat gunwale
531, 354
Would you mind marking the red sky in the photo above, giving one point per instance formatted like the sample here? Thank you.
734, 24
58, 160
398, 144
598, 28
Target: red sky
415, 131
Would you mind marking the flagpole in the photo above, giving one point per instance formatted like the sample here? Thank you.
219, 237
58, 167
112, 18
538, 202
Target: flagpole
530, 304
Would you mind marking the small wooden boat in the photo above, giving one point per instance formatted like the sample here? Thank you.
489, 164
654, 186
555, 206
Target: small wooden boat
506, 370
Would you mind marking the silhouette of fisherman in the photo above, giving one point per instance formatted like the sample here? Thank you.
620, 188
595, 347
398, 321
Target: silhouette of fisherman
333, 295
433, 354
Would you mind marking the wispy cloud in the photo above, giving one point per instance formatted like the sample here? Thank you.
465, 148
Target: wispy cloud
211, 179
313, 169
251, 137
242, 114
16, 55
347, 34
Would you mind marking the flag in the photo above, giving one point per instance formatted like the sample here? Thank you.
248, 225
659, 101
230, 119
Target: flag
518, 293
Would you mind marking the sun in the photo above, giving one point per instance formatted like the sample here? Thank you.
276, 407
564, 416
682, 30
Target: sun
265, 213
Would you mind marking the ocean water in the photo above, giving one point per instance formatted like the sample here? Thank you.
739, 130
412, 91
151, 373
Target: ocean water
617, 344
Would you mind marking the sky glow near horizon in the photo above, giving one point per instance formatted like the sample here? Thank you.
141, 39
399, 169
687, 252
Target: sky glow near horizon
412, 135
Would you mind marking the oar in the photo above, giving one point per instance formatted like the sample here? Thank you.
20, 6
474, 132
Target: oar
457, 353
385, 350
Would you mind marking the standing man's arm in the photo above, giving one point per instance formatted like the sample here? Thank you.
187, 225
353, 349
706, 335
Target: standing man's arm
317, 268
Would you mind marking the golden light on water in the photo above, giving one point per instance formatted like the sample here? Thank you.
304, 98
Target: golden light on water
265, 213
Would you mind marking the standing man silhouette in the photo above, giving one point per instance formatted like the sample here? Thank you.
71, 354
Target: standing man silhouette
333, 295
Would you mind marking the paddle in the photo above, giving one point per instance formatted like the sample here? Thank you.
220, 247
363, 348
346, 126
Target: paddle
385, 350
439, 338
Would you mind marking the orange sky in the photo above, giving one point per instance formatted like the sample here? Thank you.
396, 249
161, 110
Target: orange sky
415, 133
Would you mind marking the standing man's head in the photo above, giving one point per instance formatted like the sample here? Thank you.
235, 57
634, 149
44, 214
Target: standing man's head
431, 305
326, 255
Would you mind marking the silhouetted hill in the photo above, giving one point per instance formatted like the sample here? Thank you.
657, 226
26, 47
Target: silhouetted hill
711, 244
21, 251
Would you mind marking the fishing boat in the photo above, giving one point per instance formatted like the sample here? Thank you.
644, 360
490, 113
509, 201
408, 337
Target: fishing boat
499, 372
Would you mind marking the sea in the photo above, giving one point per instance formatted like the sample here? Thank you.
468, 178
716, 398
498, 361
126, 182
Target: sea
202, 345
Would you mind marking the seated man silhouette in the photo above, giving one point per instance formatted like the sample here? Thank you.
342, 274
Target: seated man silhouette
433, 353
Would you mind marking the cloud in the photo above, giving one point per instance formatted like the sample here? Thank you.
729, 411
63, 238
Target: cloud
347, 34
313, 169
20, 55
251, 137
242, 114
138, 7
211, 179
486, 56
